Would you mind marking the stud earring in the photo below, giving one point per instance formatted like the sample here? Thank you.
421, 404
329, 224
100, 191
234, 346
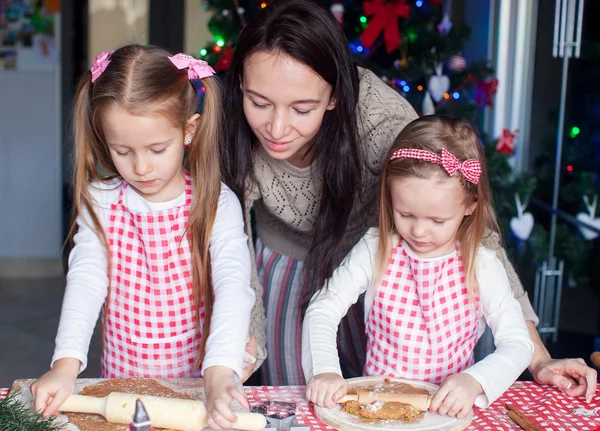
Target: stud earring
188, 142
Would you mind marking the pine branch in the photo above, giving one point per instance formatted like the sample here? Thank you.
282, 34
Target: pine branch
16, 416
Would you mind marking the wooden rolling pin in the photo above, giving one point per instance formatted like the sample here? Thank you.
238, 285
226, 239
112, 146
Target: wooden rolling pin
418, 401
179, 414
595, 358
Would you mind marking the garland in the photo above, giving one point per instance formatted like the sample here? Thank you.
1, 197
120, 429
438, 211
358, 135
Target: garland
16, 416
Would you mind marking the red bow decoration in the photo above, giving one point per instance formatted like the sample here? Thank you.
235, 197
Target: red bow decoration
485, 91
506, 142
224, 60
470, 169
384, 19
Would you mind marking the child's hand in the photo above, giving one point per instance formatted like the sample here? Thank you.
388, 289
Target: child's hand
221, 389
456, 396
249, 357
326, 388
54, 387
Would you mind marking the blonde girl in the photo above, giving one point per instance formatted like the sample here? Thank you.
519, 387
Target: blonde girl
431, 286
158, 241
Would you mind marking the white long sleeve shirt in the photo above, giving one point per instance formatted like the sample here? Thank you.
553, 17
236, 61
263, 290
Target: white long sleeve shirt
87, 278
356, 275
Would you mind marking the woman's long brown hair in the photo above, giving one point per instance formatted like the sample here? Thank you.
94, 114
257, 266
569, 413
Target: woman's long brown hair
434, 133
143, 81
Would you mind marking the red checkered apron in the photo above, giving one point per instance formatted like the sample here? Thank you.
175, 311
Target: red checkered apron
151, 326
423, 322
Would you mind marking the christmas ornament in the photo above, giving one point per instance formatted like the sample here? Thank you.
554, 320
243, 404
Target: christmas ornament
445, 25
506, 142
589, 218
384, 19
427, 108
484, 92
522, 225
224, 60
337, 9
438, 84
457, 63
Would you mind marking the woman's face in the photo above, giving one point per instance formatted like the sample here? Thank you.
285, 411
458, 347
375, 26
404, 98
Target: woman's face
284, 104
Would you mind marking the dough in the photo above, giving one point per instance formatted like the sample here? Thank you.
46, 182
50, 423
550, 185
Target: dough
389, 411
140, 386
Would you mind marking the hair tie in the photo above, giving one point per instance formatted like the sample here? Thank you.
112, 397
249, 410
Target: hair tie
99, 64
197, 69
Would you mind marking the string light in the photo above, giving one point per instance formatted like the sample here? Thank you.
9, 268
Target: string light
446, 96
359, 48
363, 19
570, 168
263, 5
420, 87
203, 52
406, 88
220, 42
575, 131
217, 49
419, 3
455, 95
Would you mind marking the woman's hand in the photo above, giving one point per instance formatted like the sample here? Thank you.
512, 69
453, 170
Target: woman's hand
326, 389
221, 390
52, 389
456, 396
572, 376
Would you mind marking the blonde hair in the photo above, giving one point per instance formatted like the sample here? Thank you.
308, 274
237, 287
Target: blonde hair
142, 80
434, 133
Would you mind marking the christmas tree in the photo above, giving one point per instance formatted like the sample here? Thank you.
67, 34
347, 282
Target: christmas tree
416, 49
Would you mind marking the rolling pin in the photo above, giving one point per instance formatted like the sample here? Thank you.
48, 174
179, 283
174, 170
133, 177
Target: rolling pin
418, 401
179, 414
595, 358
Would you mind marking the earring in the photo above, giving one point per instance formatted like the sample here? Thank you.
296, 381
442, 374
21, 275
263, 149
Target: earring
188, 142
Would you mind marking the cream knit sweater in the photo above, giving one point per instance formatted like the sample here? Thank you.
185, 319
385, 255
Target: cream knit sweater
286, 198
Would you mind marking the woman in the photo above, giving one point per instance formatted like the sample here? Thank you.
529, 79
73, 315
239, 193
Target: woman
307, 132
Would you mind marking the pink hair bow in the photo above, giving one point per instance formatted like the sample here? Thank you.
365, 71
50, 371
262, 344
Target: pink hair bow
197, 69
100, 63
470, 169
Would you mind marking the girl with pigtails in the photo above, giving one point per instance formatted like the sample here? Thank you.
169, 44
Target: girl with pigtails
158, 241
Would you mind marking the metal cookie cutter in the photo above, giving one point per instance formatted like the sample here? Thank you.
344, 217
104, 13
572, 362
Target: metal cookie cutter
280, 415
140, 421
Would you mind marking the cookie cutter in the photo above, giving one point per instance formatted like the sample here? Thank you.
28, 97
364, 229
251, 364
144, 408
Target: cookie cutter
280, 415
140, 420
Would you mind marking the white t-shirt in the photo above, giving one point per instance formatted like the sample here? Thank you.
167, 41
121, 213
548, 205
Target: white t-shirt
501, 311
87, 279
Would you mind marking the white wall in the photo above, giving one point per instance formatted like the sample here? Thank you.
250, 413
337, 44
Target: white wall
196, 34
113, 23
30, 165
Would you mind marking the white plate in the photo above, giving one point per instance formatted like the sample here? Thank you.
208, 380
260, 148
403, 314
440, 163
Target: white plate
336, 418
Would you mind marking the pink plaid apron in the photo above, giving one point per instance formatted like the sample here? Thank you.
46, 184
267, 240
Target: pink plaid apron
423, 322
151, 326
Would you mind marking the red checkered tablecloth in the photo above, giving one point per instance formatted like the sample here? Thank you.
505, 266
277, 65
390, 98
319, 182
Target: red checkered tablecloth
548, 407
545, 405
